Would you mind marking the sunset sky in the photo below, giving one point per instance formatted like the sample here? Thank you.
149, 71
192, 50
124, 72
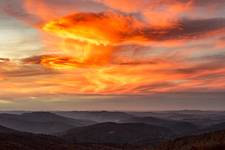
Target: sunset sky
112, 54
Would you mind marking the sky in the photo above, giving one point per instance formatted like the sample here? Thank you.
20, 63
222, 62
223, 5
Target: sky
112, 54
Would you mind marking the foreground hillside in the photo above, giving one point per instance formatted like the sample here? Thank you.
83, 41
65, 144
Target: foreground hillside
28, 141
14, 140
207, 141
6, 130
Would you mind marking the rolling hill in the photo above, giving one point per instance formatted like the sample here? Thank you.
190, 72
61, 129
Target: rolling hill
215, 127
178, 127
6, 130
202, 119
133, 133
40, 122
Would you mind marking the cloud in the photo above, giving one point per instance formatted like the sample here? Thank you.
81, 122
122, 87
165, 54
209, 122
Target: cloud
28, 71
96, 28
87, 27
218, 3
165, 13
206, 67
54, 61
4, 60
113, 47
5, 102
140, 5
12, 69
47, 9
63, 62
188, 29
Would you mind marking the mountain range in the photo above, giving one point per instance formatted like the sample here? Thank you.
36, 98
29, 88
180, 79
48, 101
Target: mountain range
104, 130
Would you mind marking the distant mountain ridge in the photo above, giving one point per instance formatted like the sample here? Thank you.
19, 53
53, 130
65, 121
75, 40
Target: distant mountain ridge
40, 122
199, 118
98, 116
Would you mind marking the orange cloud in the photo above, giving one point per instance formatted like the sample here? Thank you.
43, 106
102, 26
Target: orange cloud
92, 38
161, 13
102, 52
96, 28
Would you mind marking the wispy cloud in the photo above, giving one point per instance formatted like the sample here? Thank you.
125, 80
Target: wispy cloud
110, 47
2, 102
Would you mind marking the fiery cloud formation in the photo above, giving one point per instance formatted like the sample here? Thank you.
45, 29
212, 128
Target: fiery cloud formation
101, 28
120, 47
84, 33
